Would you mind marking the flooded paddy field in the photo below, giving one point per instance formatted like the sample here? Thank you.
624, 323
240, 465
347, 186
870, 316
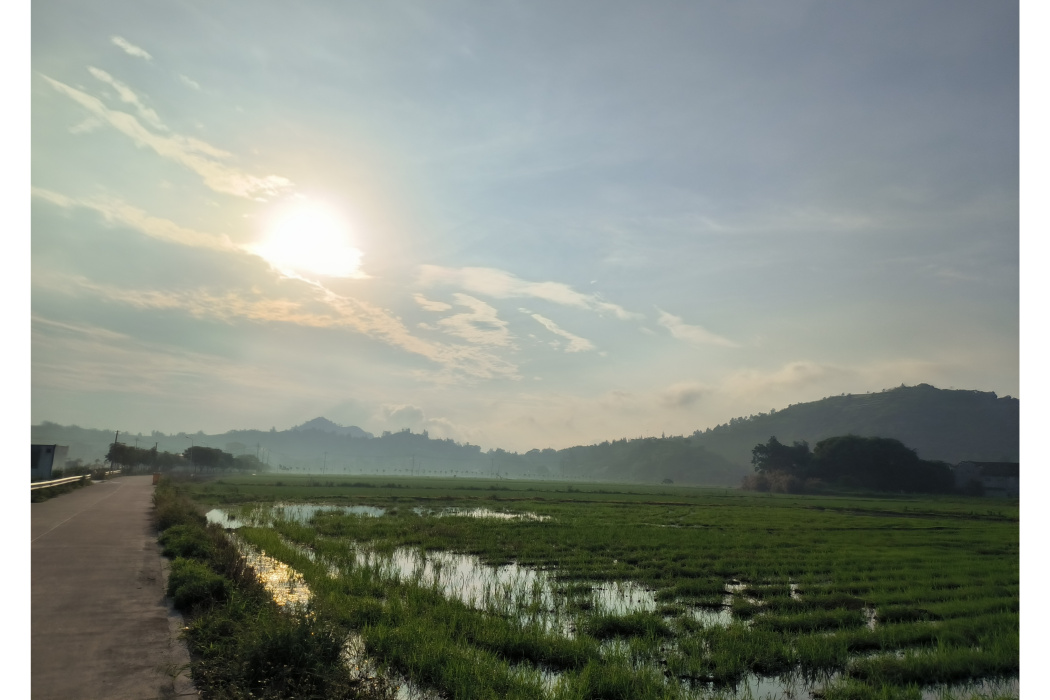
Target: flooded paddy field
472, 589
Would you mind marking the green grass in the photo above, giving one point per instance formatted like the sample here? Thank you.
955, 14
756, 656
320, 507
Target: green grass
939, 573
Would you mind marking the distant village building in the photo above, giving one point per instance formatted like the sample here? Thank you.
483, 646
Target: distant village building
45, 458
992, 478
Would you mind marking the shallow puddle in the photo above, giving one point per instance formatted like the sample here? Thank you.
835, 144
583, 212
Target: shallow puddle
714, 617
298, 512
528, 593
284, 584
1010, 687
623, 598
290, 591
797, 687
364, 668
479, 513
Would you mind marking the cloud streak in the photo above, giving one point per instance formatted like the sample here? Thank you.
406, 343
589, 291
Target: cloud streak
128, 96
321, 308
194, 154
118, 212
189, 82
129, 48
480, 326
429, 305
76, 357
694, 335
575, 344
500, 284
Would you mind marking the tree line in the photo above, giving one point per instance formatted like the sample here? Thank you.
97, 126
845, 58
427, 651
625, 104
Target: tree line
847, 461
196, 457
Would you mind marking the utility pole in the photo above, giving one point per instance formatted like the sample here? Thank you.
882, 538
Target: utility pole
193, 462
324, 467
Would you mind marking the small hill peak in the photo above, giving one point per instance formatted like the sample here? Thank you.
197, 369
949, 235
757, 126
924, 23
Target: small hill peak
324, 425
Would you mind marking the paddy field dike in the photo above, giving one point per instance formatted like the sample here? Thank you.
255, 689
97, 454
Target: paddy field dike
456, 588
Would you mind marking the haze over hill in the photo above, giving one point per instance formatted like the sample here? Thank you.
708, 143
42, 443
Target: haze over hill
940, 424
324, 425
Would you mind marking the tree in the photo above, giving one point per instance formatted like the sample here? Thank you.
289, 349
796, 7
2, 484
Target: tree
774, 456
209, 457
249, 463
878, 463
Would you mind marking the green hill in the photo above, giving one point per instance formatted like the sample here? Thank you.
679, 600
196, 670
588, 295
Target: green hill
952, 425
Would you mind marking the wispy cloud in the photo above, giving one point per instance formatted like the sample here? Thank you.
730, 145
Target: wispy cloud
682, 395
127, 95
118, 212
317, 307
430, 305
130, 49
189, 82
689, 333
86, 127
500, 284
575, 344
200, 157
81, 357
480, 326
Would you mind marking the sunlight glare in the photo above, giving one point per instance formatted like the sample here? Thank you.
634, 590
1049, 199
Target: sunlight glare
309, 239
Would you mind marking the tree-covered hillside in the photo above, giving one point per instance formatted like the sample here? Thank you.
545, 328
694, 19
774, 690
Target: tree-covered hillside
947, 425
951, 425
678, 459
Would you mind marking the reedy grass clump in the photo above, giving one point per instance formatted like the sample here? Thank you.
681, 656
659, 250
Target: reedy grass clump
193, 585
190, 541
638, 624
241, 645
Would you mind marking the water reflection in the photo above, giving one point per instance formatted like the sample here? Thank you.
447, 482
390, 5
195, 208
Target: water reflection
533, 597
365, 670
282, 582
480, 513
262, 516
1003, 688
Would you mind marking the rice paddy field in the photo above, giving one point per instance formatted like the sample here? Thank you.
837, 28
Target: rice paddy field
460, 588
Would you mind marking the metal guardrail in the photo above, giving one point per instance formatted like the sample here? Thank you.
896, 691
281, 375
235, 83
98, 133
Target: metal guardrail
68, 480
57, 482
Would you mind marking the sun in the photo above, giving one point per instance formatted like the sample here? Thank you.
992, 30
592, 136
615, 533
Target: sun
309, 239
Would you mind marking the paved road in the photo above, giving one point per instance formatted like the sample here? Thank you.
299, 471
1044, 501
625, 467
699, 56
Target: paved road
101, 627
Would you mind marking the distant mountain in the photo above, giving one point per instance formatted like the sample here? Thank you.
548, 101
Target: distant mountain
939, 424
952, 425
326, 426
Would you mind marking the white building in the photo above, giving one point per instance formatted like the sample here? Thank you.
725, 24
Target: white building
994, 478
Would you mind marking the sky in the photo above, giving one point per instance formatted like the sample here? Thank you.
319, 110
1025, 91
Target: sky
516, 224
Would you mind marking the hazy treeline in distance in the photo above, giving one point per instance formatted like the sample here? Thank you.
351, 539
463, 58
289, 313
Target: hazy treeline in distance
938, 424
